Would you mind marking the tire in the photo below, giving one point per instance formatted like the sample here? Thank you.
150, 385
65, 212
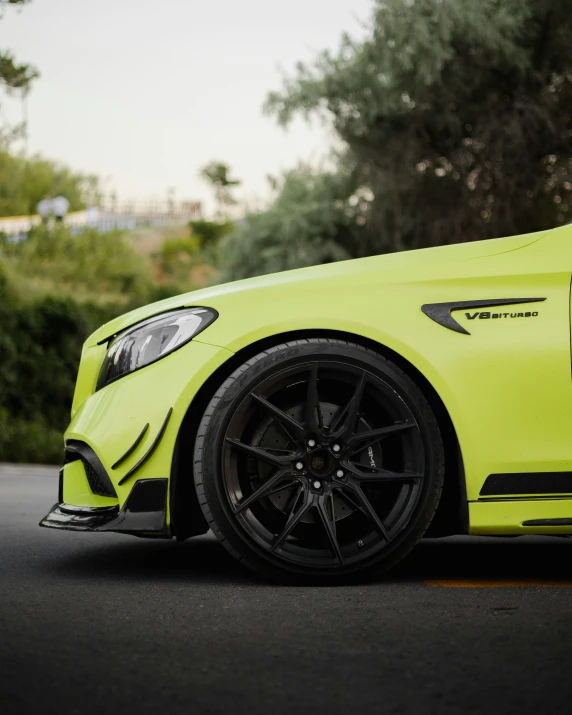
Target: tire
318, 461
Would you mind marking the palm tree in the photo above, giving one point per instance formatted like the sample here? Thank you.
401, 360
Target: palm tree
217, 174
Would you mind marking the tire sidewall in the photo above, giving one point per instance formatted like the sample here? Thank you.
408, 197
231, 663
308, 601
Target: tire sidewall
210, 442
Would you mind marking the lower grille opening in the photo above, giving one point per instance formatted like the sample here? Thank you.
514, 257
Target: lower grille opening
97, 477
95, 483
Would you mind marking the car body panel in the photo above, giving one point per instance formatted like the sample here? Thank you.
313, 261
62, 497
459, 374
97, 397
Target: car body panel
506, 385
111, 419
76, 489
387, 268
505, 517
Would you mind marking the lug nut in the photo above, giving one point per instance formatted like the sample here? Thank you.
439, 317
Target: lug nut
340, 473
336, 448
316, 484
311, 443
299, 465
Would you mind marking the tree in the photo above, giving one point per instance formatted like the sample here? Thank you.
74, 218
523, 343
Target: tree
318, 217
217, 174
456, 116
23, 182
14, 76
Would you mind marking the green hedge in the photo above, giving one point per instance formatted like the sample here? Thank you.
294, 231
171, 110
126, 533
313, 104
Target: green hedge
40, 348
29, 441
56, 289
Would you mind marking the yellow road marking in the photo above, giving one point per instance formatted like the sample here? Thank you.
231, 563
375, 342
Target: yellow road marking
496, 583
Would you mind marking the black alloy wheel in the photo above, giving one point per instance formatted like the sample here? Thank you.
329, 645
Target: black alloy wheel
318, 459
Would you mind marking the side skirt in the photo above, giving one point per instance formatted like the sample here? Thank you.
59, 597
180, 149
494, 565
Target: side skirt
518, 517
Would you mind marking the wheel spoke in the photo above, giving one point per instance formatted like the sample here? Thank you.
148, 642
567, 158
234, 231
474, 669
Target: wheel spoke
329, 524
347, 415
363, 440
314, 419
375, 474
264, 455
293, 429
294, 517
287, 485
263, 490
364, 505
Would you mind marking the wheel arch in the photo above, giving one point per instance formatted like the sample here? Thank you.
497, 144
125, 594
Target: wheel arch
186, 516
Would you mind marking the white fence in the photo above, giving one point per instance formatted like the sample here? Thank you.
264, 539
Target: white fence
18, 224
127, 216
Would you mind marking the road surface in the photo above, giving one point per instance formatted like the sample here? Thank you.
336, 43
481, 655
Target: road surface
103, 623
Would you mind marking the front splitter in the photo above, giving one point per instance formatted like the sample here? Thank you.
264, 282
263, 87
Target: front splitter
144, 513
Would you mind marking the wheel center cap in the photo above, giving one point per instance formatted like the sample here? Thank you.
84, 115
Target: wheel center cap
318, 463
321, 464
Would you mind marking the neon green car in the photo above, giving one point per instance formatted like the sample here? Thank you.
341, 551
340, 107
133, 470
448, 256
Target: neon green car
322, 421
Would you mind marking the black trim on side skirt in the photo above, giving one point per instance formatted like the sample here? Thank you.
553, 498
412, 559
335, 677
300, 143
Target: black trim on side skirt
132, 448
528, 483
441, 312
548, 522
151, 449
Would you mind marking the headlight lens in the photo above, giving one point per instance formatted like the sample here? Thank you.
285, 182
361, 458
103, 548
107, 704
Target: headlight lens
151, 340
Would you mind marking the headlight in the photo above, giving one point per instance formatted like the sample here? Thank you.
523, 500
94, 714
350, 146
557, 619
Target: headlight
151, 340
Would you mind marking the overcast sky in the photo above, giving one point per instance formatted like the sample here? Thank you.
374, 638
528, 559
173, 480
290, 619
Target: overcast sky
147, 92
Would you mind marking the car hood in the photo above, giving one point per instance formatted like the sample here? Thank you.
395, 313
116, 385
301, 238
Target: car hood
388, 268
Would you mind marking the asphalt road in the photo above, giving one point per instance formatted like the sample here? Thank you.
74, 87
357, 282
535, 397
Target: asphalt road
103, 623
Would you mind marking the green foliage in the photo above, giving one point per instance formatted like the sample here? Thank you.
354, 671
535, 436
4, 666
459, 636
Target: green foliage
217, 174
456, 115
209, 233
181, 257
178, 256
32, 441
14, 76
165, 290
40, 347
316, 218
90, 266
24, 182
55, 289
95, 277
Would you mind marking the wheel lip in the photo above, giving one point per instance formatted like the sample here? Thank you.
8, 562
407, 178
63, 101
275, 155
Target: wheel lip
392, 384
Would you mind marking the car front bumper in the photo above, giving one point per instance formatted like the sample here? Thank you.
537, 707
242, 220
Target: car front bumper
144, 513
120, 443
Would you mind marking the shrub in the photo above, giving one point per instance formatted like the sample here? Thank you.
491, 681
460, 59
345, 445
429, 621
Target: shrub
40, 348
29, 441
95, 277
96, 264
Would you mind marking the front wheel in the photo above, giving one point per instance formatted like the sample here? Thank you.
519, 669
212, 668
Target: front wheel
318, 460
